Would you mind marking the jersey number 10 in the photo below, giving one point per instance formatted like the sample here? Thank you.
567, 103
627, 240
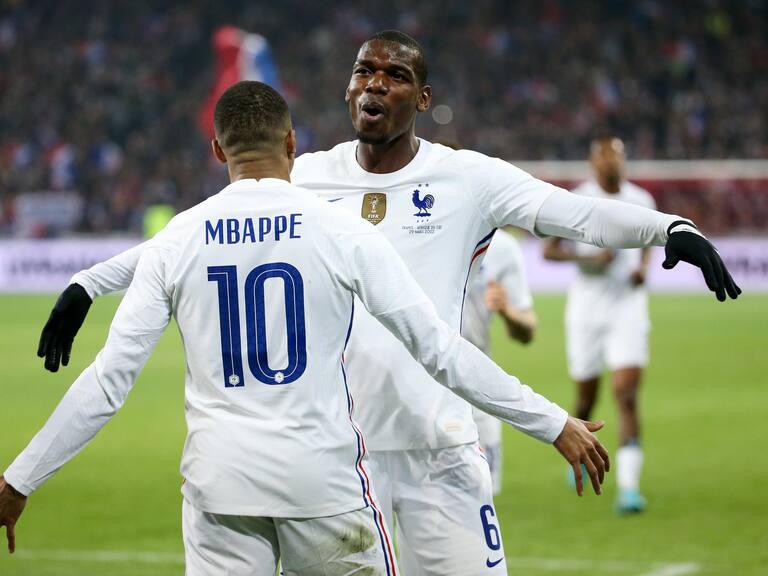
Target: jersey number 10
255, 323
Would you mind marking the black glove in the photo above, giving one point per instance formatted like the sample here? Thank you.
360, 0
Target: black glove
688, 246
65, 320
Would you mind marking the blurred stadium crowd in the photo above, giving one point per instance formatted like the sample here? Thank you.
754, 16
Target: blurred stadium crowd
100, 98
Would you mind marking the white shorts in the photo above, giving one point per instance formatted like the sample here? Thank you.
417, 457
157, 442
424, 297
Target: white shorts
606, 331
490, 432
443, 503
223, 545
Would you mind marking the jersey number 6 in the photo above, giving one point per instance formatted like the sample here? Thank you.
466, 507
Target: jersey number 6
256, 326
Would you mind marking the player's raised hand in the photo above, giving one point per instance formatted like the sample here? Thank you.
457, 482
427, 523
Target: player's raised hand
11, 506
65, 320
579, 446
686, 243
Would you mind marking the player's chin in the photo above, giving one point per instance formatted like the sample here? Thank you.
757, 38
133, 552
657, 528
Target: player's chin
372, 136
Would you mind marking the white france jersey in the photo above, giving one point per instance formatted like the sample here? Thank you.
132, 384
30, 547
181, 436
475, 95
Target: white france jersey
616, 276
439, 212
504, 264
260, 279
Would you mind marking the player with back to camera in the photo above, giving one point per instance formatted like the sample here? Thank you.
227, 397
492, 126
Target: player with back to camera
606, 318
439, 208
274, 465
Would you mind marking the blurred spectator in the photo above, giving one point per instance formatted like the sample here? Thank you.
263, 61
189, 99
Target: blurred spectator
101, 97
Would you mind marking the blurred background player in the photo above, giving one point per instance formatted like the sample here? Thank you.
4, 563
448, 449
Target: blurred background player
606, 317
499, 287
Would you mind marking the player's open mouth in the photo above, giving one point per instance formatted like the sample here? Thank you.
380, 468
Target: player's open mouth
372, 111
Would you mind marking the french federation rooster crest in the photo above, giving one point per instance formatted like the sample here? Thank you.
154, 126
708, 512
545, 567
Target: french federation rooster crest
423, 204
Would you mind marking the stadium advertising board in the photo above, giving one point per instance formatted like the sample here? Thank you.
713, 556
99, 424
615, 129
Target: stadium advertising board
47, 265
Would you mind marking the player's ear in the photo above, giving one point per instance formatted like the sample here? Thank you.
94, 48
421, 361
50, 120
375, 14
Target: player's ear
290, 144
218, 152
346, 95
425, 98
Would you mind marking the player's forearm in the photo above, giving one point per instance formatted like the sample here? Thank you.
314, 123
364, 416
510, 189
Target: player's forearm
601, 222
465, 370
556, 252
112, 275
521, 324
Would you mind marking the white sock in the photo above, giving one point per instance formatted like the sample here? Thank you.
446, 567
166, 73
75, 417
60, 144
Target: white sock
629, 465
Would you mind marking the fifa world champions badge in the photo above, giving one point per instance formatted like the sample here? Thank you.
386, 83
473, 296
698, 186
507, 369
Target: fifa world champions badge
374, 207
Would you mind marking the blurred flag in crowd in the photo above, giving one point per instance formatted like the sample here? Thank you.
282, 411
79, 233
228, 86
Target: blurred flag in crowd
239, 56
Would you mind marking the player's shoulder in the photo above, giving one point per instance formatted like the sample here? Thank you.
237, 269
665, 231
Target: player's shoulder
476, 167
461, 158
311, 164
637, 193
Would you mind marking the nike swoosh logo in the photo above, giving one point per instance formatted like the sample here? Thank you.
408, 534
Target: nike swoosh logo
492, 564
336, 199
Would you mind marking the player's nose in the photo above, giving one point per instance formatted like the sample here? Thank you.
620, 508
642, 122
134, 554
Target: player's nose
377, 83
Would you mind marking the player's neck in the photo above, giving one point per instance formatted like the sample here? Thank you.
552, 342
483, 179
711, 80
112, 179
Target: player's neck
610, 185
258, 169
388, 157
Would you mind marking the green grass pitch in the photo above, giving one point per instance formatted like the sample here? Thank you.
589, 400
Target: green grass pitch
115, 510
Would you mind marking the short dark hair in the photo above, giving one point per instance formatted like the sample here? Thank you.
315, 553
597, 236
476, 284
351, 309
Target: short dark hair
419, 62
249, 116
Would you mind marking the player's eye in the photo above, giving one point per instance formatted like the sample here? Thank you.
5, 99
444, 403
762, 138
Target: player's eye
362, 70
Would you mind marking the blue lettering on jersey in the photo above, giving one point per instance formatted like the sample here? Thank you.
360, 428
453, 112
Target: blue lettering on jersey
265, 225
248, 231
233, 231
295, 223
243, 231
212, 233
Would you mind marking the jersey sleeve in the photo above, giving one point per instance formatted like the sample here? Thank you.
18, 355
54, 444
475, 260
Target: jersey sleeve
101, 389
505, 194
602, 222
513, 278
112, 275
389, 292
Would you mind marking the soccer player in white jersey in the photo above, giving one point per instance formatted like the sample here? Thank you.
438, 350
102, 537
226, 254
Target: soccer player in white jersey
439, 208
261, 279
498, 286
606, 317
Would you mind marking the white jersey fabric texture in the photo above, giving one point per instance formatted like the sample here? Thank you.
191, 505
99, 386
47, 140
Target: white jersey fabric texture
260, 279
607, 322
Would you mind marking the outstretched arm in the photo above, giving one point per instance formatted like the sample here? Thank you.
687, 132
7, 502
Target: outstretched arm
72, 306
611, 224
111, 275
101, 389
389, 292
508, 195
